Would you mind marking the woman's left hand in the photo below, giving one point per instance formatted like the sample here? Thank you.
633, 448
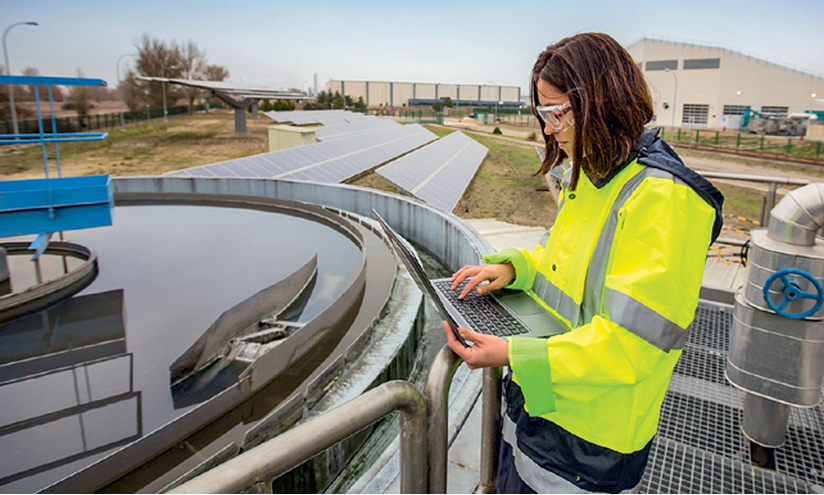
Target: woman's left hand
488, 351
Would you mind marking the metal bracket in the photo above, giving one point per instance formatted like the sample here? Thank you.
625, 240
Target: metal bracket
40, 244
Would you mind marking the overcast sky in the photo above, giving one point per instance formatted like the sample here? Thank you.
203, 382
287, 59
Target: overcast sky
277, 44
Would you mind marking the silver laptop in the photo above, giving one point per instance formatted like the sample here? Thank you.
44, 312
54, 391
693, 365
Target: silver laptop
502, 313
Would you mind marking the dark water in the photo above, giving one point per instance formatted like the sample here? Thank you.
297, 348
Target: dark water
90, 375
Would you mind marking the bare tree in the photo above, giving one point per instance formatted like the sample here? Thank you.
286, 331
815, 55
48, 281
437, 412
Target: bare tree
156, 58
215, 73
132, 91
194, 63
28, 91
79, 96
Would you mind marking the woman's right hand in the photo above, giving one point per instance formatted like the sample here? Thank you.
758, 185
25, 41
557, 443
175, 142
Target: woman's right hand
499, 276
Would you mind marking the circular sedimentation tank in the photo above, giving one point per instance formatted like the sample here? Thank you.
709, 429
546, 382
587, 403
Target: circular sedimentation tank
85, 377
223, 237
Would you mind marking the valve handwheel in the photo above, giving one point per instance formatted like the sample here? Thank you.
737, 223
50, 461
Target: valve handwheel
792, 292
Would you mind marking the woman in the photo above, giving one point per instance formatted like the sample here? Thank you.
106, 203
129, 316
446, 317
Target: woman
621, 269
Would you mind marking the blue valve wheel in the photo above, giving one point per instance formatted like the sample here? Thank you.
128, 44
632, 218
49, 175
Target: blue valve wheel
792, 292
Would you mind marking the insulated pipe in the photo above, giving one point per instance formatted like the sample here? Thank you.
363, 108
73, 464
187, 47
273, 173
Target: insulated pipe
798, 217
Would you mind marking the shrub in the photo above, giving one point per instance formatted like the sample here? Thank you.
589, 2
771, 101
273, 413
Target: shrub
497, 131
533, 136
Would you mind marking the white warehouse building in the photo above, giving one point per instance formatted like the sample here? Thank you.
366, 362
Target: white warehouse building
715, 85
410, 94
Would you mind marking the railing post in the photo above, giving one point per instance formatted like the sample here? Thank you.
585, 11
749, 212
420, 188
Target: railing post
436, 393
770, 203
491, 414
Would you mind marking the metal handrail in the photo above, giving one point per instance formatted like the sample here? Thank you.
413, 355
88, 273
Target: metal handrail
290, 449
436, 392
772, 181
491, 415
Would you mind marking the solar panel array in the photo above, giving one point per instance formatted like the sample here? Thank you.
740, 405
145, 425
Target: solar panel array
440, 172
327, 162
305, 117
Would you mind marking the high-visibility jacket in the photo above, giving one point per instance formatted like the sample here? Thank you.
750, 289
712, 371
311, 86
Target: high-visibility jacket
622, 269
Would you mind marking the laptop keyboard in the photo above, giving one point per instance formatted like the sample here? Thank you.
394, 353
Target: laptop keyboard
482, 312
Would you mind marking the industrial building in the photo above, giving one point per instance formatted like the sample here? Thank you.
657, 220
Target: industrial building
413, 94
706, 86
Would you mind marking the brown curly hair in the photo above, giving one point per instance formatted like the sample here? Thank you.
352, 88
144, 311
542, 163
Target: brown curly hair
610, 102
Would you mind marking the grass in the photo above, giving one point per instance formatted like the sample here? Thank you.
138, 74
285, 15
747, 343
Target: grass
742, 206
146, 148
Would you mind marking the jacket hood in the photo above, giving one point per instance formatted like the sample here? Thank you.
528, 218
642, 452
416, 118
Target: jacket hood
652, 151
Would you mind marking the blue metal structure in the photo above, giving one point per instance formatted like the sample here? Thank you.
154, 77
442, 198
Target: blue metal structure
45, 206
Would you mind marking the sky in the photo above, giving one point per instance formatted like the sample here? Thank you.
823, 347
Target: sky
281, 45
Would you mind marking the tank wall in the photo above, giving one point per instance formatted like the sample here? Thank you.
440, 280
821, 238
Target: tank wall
445, 235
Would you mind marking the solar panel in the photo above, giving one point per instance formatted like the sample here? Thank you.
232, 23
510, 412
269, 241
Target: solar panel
344, 131
326, 162
306, 117
440, 172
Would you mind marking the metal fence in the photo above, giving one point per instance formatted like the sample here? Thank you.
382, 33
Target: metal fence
81, 123
753, 144
791, 147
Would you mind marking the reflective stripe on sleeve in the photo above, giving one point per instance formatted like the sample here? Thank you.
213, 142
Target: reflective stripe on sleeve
556, 299
643, 321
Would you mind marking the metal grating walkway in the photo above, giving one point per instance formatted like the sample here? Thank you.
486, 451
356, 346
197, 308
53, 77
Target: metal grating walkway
700, 448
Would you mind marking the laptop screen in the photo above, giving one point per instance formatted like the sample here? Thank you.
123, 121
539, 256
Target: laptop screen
418, 275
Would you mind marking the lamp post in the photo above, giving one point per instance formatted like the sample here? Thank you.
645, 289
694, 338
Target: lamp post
8, 72
674, 106
119, 93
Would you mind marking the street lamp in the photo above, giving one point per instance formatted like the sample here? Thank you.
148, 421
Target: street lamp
496, 110
8, 71
119, 93
674, 107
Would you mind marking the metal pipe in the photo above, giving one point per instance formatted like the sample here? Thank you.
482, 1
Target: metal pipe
754, 178
11, 86
436, 392
765, 421
491, 414
674, 107
119, 92
301, 443
799, 216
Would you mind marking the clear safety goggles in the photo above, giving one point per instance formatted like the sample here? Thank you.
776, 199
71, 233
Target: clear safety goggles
555, 116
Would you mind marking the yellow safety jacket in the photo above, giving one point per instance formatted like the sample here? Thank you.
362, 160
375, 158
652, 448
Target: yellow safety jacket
621, 268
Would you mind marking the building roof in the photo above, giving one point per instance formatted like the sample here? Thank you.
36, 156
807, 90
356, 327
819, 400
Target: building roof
727, 49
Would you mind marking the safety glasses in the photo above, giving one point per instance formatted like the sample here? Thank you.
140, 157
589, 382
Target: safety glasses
555, 115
